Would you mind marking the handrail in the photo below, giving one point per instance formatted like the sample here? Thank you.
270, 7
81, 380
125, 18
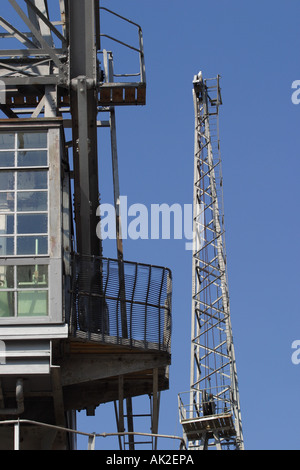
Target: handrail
92, 436
121, 42
220, 396
120, 16
142, 72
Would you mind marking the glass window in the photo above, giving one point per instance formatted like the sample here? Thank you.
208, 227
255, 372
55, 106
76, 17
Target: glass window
32, 223
7, 246
24, 196
7, 224
6, 277
6, 291
7, 159
7, 304
32, 246
33, 158
24, 291
31, 201
7, 202
7, 180
32, 180
32, 303
7, 141
24, 206
32, 277
32, 140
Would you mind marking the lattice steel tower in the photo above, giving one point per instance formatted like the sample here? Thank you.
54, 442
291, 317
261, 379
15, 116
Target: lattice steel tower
210, 412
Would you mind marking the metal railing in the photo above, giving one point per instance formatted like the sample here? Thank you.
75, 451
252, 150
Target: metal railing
207, 402
121, 302
90, 436
139, 49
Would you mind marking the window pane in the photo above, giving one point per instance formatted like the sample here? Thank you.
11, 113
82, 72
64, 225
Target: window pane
7, 159
7, 180
7, 245
7, 141
32, 245
32, 140
32, 223
7, 202
7, 304
39, 158
32, 277
7, 224
32, 202
32, 303
32, 180
7, 277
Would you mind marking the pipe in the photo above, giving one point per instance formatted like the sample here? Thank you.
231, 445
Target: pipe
20, 402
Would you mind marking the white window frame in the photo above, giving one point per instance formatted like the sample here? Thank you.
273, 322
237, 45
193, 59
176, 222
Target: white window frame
54, 256
17, 170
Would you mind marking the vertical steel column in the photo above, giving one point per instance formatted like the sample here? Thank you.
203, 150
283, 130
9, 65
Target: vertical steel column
109, 74
83, 77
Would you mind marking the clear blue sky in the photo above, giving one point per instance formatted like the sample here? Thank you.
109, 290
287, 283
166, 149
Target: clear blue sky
254, 47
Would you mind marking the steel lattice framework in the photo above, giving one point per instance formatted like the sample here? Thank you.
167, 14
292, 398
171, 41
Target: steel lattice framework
210, 412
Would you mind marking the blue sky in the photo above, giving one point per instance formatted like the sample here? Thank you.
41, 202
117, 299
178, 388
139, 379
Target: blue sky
254, 47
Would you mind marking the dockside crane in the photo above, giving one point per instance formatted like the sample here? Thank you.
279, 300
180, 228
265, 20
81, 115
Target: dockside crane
210, 411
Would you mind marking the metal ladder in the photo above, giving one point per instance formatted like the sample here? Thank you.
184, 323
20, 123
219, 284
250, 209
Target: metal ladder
126, 422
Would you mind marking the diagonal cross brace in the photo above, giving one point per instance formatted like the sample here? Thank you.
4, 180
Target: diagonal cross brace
36, 33
46, 21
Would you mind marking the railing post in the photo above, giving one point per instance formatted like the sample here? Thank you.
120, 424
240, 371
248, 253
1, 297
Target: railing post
17, 435
92, 442
155, 409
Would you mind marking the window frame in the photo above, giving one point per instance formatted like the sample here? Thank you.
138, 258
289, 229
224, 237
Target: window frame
53, 258
17, 289
17, 170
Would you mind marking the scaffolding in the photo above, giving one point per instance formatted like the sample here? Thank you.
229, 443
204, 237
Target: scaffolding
210, 412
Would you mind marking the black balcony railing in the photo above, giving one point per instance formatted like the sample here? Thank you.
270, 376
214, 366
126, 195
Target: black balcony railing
121, 302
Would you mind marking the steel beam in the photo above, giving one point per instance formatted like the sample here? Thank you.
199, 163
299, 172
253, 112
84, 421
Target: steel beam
83, 76
38, 13
37, 34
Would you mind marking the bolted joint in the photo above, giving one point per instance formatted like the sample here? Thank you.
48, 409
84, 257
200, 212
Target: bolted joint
82, 83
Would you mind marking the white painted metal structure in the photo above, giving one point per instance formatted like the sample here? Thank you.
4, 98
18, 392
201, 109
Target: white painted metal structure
210, 411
